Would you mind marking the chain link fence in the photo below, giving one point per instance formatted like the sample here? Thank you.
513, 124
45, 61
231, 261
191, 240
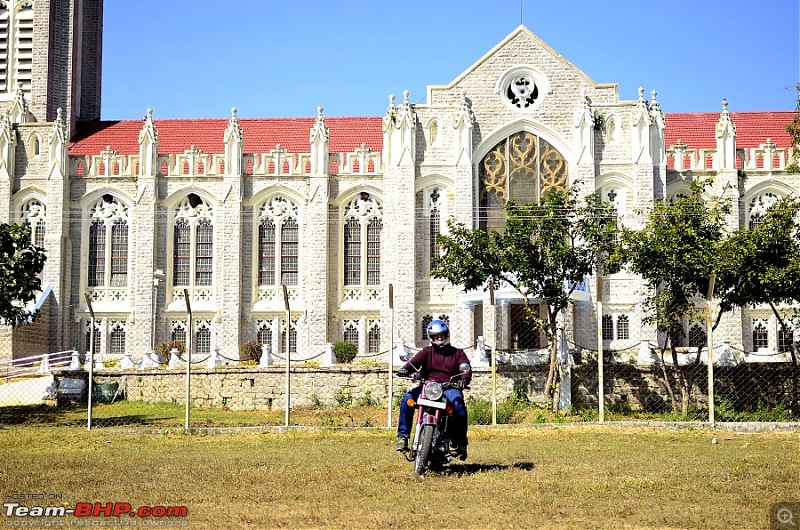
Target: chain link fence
599, 360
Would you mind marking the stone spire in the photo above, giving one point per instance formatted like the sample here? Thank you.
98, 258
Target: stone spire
8, 142
463, 122
319, 139
19, 107
148, 146
583, 130
233, 140
726, 139
407, 126
59, 142
640, 133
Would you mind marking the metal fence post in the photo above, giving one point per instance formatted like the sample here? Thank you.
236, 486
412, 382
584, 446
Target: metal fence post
494, 354
288, 354
710, 350
391, 355
91, 364
189, 344
601, 396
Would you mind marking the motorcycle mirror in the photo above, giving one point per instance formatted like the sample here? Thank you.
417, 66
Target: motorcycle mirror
465, 368
404, 356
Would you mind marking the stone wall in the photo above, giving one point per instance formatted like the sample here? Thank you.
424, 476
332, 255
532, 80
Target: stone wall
639, 387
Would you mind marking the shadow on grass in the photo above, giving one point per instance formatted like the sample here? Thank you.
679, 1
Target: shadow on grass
472, 469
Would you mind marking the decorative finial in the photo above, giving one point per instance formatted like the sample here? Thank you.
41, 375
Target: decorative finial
641, 93
233, 112
405, 96
725, 105
319, 111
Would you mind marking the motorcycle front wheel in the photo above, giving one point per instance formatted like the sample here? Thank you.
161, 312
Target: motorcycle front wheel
424, 450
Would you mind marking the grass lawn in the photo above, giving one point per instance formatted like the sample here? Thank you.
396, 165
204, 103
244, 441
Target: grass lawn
565, 476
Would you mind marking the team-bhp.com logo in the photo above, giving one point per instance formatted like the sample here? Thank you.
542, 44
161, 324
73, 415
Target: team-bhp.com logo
117, 511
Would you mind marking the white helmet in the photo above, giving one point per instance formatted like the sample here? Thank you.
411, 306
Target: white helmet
438, 333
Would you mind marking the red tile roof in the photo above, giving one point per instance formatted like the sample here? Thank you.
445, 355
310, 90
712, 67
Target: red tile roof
260, 135
697, 130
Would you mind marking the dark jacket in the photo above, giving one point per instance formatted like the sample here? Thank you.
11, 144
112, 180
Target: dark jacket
439, 366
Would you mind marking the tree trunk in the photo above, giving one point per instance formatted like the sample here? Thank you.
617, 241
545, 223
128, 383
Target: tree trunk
667, 382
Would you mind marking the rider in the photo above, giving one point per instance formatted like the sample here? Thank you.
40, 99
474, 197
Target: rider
438, 362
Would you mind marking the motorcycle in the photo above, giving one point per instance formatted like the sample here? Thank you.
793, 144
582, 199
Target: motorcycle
431, 447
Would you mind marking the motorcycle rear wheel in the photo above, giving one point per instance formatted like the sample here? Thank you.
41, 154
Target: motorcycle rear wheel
424, 450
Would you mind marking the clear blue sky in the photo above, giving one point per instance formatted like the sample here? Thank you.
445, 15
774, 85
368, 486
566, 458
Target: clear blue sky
199, 58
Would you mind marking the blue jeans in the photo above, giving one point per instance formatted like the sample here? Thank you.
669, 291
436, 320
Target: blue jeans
457, 428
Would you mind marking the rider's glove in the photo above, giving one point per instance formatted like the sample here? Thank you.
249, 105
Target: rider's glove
402, 372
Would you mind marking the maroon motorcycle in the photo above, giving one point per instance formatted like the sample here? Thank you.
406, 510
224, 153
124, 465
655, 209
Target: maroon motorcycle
431, 447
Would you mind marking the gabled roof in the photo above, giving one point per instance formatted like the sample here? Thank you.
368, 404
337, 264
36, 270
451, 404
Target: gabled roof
697, 130
260, 135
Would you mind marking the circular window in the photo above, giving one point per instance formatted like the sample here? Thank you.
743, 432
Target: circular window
522, 87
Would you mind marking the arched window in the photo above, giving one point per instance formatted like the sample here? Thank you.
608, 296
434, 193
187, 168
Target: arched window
760, 334
363, 223
374, 337
278, 243
117, 337
434, 229
697, 336
608, 327
351, 332
264, 334
178, 332
759, 206
203, 337
427, 319
108, 246
93, 342
193, 243
34, 214
523, 168
292, 335
623, 327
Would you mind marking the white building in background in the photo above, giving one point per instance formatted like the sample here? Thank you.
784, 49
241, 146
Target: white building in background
337, 209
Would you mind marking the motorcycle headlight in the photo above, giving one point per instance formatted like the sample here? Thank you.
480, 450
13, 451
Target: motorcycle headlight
433, 391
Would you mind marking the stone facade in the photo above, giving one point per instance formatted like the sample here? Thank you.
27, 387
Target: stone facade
338, 211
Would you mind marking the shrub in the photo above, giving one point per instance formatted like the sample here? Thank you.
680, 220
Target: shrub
367, 400
164, 348
250, 351
345, 352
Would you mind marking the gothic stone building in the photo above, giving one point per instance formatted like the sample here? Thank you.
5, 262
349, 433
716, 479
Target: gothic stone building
134, 215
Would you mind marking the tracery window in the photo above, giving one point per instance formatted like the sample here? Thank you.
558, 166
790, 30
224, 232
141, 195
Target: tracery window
434, 229
608, 327
785, 339
264, 334
351, 332
760, 334
697, 336
108, 243
374, 337
117, 338
193, 243
278, 243
623, 327
759, 206
363, 223
522, 167
34, 214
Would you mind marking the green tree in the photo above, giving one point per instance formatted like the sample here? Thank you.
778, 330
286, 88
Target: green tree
761, 265
676, 253
20, 264
544, 251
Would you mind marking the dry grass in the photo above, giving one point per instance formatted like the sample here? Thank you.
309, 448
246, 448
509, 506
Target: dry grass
564, 477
